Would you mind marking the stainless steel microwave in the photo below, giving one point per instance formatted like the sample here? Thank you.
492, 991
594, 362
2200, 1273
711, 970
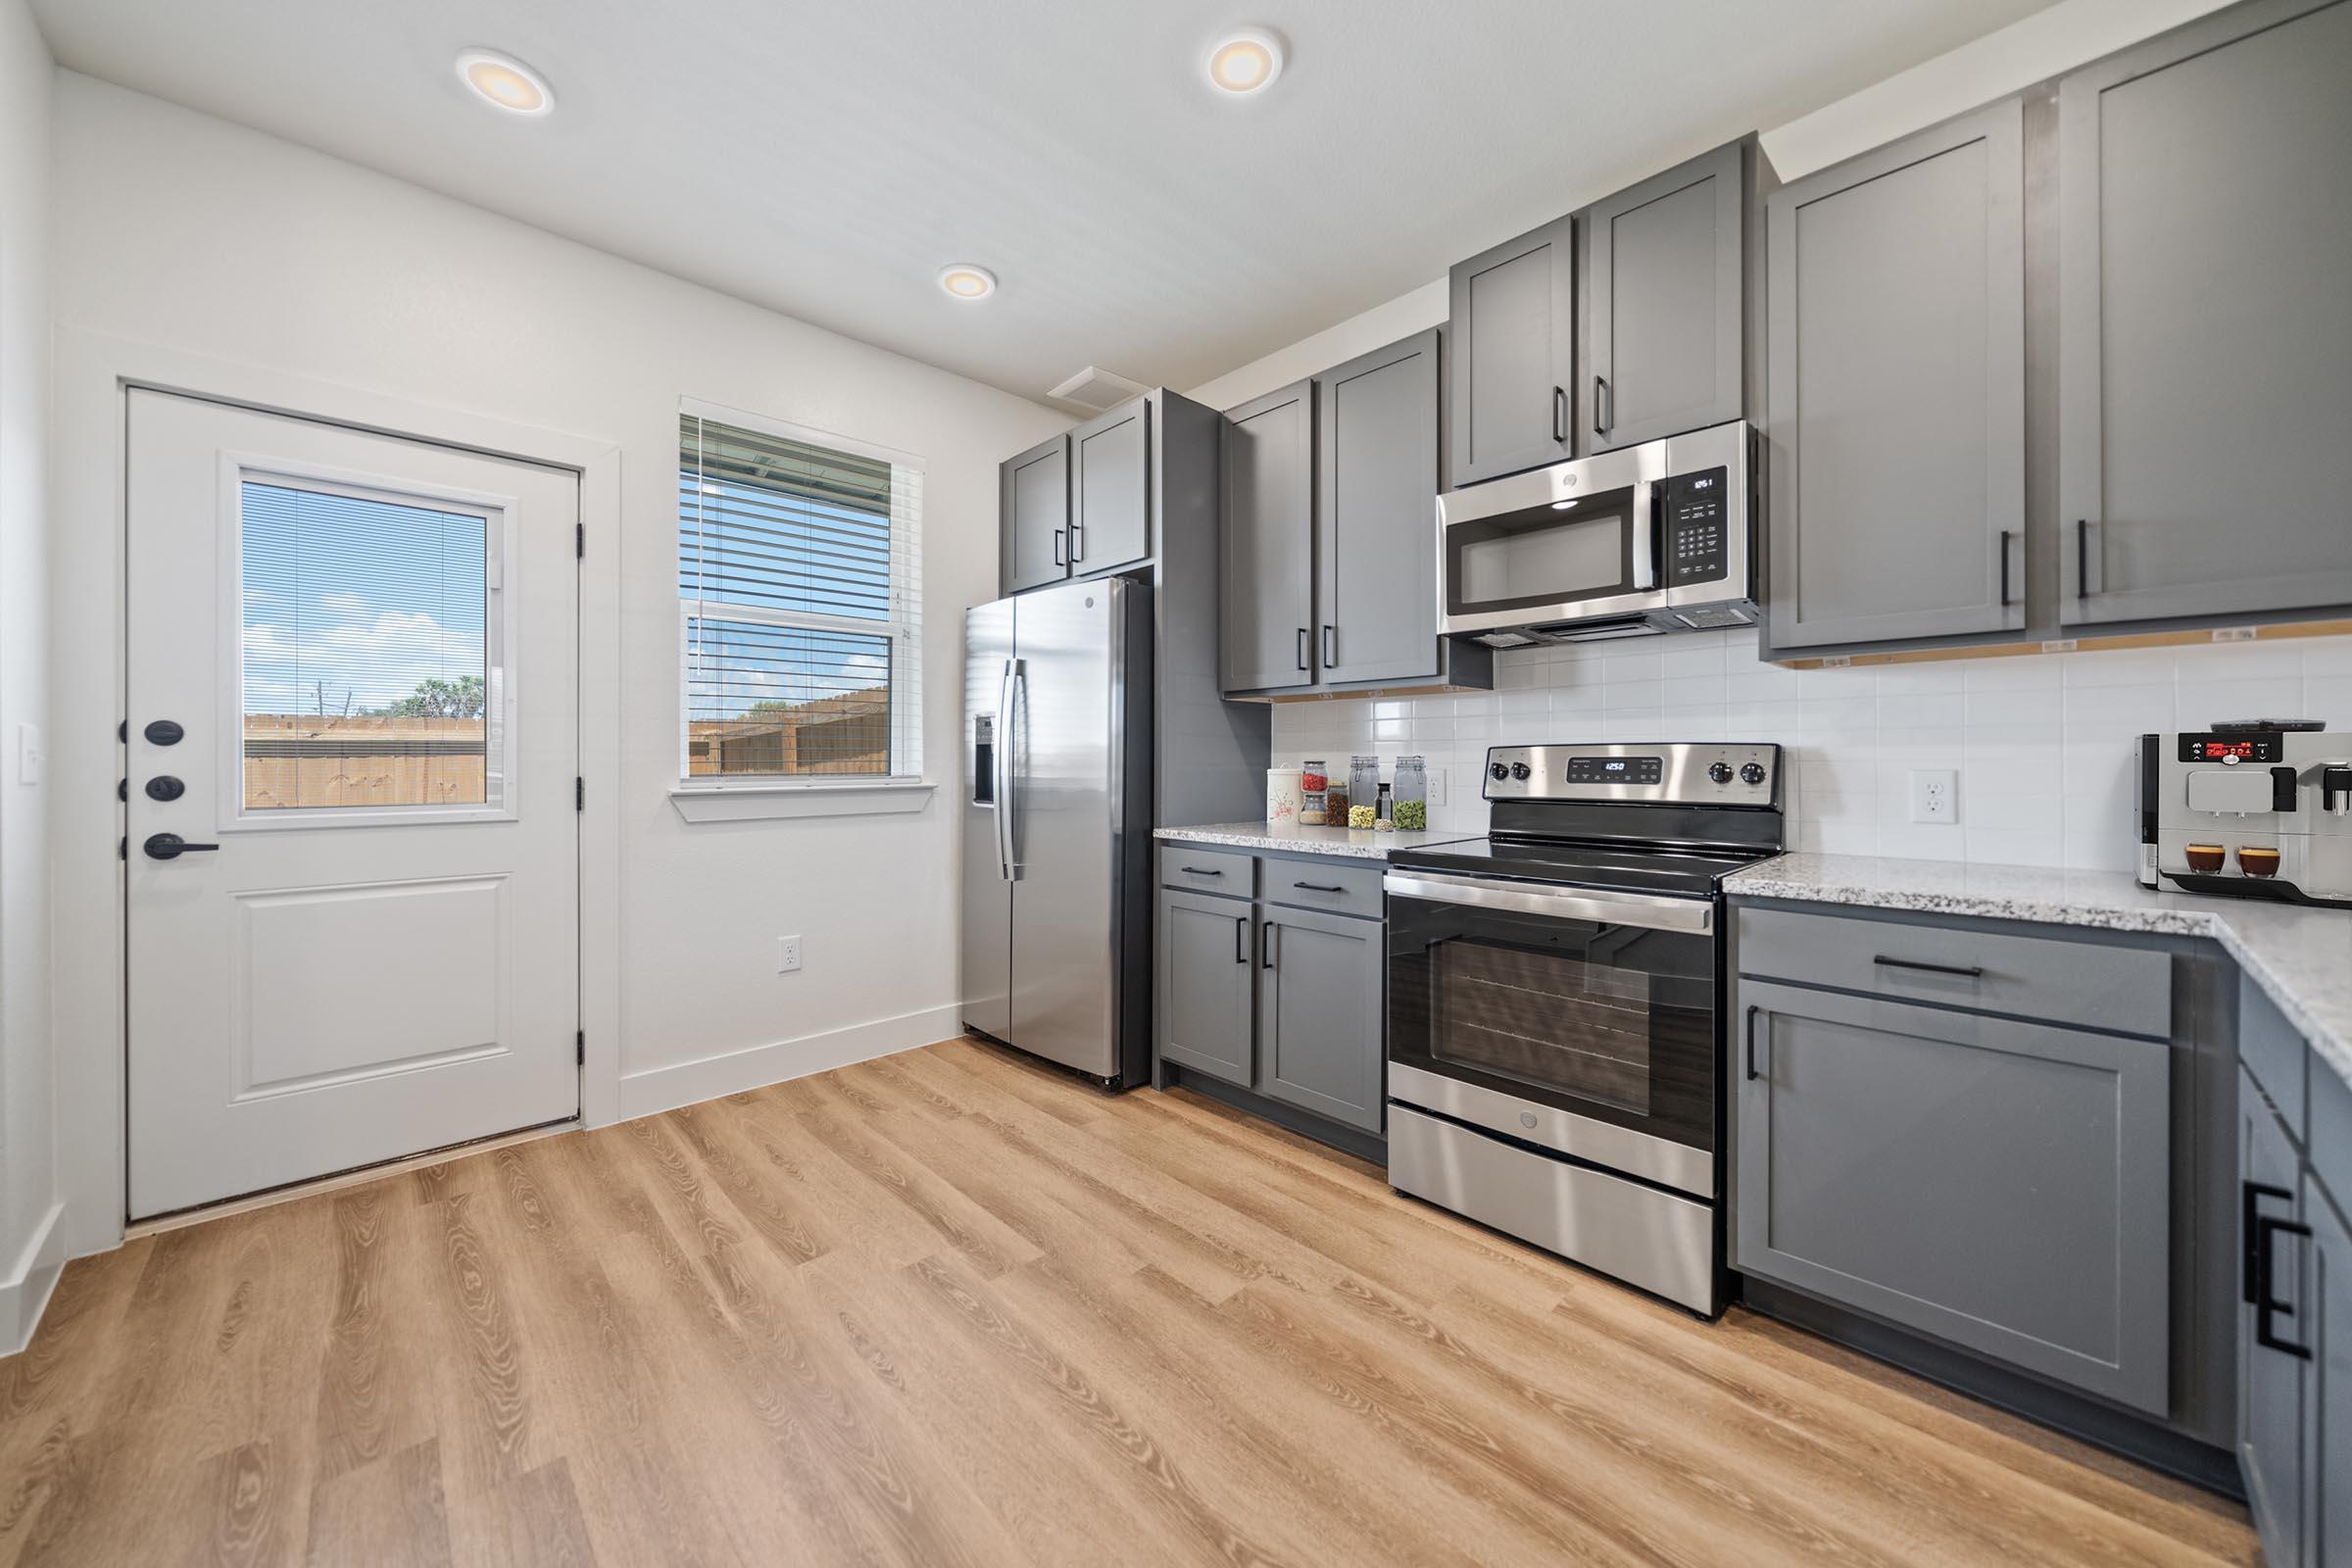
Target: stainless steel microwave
1647, 539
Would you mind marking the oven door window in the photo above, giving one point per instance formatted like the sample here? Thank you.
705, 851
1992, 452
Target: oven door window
1537, 557
1615, 1022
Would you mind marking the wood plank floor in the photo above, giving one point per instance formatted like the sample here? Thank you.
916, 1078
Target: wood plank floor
951, 1308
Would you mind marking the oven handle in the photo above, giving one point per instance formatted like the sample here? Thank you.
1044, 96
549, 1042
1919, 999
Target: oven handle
1647, 912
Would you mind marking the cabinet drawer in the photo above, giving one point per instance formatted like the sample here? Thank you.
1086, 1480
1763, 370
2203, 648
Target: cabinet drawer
2128, 990
1322, 885
1197, 869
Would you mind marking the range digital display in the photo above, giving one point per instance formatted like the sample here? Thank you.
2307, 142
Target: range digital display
1615, 771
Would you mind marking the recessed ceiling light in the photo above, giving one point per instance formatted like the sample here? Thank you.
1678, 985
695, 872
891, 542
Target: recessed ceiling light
506, 81
1245, 62
964, 281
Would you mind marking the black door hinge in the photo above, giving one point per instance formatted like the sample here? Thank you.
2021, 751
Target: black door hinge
579, 793
579, 540
580, 1055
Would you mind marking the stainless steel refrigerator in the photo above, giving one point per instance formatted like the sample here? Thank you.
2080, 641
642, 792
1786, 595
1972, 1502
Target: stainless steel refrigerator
1058, 802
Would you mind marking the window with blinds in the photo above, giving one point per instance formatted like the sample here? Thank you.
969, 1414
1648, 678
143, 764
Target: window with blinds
799, 603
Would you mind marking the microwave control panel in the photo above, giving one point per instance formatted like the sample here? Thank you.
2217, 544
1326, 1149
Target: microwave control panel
1694, 528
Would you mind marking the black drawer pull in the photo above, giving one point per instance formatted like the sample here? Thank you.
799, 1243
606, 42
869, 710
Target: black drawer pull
1241, 939
1969, 971
1318, 887
2265, 1305
1200, 871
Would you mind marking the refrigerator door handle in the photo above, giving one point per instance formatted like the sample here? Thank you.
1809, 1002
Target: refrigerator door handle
1001, 765
1008, 810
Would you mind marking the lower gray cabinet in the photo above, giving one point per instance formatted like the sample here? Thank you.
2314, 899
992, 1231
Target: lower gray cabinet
2001, 1185
1319, 1014
1202, 983
2328, 1402
2270, 1377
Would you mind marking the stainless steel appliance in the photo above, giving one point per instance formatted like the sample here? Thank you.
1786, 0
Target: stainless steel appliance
1555, 1003
1647, 539
1057, 825
2256, 808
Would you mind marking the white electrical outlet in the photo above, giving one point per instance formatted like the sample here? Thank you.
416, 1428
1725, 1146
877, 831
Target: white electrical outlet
30, 758
788, 955
1437, 786
1934, 795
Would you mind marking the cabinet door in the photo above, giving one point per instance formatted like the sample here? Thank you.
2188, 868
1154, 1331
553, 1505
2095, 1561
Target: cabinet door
1202, 980
1033, 513
1664, 339
1110, 490
2205, 355
1266, 633
2269, 1381
1376, 514
1999, 1185
1895, 398
1514, 346
2327, 1415
1319, 1014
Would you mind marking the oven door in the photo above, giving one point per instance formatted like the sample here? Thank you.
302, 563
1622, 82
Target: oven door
1573, 542
1580, 1020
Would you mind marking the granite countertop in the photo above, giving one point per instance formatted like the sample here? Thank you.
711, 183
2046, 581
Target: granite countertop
2301, 957
1362, 843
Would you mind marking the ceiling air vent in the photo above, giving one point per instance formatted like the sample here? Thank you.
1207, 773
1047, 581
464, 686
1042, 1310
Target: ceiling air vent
1095, 389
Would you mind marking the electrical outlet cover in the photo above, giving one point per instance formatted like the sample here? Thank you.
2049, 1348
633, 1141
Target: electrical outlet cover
788, 955
1934, 795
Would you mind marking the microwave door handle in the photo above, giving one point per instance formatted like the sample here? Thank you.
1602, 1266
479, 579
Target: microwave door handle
1644, 519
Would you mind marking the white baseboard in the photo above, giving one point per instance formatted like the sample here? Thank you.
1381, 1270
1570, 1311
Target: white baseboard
688, 1082
25, 1290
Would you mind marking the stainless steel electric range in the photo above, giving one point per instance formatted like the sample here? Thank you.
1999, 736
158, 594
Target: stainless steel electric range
1555, 999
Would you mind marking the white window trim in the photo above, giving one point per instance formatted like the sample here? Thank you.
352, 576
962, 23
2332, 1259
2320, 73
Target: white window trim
749, 796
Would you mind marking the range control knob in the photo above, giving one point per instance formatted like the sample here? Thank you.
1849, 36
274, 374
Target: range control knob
1498, 770
1521, 771
1720, 772
1752, 773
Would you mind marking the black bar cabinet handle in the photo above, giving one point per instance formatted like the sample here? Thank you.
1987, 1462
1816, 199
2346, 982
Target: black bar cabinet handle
1059, 560
2006, 568
1302, 648
2265, 1305
1318, 887
1200, 871
1601, 407
2082, 558
1560, 414
1241, 939
1265, 945
1077, 542
1967, 971
1753, 1009
1331, 657
2249, 1222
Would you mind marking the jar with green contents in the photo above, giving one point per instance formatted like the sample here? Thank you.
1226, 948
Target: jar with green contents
1409, 809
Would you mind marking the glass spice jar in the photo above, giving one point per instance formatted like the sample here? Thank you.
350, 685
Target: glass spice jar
1314, 801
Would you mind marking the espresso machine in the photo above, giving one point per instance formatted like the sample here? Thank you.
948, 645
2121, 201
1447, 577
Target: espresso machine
2254, 808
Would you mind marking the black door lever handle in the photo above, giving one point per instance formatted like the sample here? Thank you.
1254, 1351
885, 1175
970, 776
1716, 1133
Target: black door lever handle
170, 847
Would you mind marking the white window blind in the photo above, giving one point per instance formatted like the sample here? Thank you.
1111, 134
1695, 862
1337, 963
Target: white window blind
800, 588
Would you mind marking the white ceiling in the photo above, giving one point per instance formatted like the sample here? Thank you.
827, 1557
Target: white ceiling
826, 156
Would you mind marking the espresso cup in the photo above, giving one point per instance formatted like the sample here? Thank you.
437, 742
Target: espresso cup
2205, 857
2257, 861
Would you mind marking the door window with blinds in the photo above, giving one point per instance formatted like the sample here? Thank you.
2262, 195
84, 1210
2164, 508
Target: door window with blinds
369, 642
799, 603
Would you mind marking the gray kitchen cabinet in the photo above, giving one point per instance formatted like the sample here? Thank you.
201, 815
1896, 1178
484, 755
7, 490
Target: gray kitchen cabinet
1033, 504
2328, 1402
1665, 303
2001, 1185
1203, 982
2205, 338
1894, 401
1514, 355
1266, 642
2270, 1380
1319, 1014
1376, 524
1110, 489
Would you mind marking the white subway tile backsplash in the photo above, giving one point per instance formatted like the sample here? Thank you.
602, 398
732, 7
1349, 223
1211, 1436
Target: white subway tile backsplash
2043, 743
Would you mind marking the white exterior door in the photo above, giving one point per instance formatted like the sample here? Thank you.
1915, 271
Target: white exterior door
352, 856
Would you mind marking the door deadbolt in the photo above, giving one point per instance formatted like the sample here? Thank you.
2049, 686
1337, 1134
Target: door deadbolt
164, 787
164, 732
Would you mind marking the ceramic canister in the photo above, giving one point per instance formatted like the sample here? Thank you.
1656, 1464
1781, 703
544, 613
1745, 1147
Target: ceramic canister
1282, 794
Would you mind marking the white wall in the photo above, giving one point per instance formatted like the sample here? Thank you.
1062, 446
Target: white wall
29, 1241
2042, 742
178, 229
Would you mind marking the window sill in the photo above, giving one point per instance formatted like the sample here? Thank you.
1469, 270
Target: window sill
752, 802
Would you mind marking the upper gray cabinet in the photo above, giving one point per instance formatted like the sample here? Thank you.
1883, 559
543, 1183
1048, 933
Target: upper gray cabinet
1514, 355
1665, 303
1033, 506
1110, 489
1895, 400
1268, 570
2205, 360
1376, 520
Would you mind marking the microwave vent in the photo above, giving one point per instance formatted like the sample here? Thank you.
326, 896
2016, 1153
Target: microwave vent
1714, 617
1594, 631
